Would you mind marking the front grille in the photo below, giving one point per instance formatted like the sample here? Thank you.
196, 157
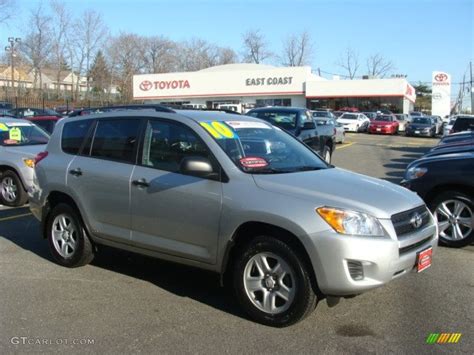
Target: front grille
402, 221
408, 248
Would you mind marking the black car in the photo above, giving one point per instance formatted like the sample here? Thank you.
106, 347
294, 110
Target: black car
450, 149
300, 123
463, 123
5, 107
25, 112
421, 126
446, 183
457, 138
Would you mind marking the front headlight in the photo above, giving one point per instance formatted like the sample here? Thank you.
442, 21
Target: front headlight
351, 222
415, 173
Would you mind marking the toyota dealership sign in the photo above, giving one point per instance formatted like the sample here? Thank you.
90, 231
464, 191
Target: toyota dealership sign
441, 94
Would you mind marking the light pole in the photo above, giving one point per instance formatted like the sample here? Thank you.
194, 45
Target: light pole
14, 42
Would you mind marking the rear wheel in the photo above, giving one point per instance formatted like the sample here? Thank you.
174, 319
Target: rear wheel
454, 212
68, 240
12, 193
272, 283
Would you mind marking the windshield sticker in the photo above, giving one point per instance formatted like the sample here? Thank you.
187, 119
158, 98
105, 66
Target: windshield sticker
18, 124
3, 128
247, 124
15, 134
253, 162
218, 130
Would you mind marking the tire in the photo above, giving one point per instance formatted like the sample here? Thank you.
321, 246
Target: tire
79, 249
12, 192
448, 233
301, 298
327, 154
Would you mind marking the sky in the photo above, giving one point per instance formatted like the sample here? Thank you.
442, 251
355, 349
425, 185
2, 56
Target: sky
418, 36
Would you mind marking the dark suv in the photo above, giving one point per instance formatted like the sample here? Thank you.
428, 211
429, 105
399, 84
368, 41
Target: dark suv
300, 123
463, 123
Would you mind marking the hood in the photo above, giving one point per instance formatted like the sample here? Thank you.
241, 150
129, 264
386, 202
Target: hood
343, 189
441, 157
29, 151
450, 150
346, 120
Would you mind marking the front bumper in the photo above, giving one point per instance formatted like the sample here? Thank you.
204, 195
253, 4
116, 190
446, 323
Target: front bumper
381, 130
349, 265
420, 133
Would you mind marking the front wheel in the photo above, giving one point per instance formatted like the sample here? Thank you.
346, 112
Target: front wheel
68, 240
454, 212
12, 193
327, 154
272, 283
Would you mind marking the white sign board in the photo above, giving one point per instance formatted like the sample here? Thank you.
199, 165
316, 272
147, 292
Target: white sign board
209, 83
441, 94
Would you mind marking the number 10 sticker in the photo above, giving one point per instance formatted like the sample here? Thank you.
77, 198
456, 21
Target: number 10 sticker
218, 130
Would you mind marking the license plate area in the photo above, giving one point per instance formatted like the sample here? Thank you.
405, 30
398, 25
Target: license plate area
424, 259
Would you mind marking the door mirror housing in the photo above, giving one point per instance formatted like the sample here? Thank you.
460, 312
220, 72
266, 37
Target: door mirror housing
197, 166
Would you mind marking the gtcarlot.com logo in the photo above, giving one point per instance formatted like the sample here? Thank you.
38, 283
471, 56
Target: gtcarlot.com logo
50, 341
443, 338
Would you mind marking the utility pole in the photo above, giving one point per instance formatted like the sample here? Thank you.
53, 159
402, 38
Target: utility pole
12, 50
470, 88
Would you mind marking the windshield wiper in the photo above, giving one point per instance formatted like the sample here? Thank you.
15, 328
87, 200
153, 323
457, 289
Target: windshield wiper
308, 168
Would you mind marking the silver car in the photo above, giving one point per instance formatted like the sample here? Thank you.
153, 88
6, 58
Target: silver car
231, 194
20, 142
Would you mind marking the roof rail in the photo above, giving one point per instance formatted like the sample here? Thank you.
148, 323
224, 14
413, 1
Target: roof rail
178, 107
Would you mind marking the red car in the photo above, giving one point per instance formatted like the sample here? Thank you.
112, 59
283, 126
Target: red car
384, 124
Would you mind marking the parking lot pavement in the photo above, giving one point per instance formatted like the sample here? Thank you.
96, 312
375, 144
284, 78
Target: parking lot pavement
128, 303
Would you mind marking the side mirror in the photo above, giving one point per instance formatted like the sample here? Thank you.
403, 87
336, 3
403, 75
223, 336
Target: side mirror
309, 125
196, 166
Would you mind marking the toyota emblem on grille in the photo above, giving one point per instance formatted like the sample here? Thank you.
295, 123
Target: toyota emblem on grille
416, 220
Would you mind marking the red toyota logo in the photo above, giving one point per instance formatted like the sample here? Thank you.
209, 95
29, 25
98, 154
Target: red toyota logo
146, 85
409, 91
441, 77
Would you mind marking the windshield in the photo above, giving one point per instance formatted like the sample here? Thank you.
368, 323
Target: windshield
349, 116
422, 120
258, 148
15, 134
283, 119
321, 114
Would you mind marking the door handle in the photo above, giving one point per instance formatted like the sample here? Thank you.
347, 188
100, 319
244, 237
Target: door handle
140, 183
76, 172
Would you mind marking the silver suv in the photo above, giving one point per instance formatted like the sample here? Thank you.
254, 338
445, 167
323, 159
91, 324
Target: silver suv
232, 194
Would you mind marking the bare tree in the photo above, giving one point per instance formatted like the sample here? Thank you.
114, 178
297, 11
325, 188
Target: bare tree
378, 66
126, 56
37, 44
227, 56
198, 54
6, 10
297, 49
349, 61
60, 21
255, 48
159, 55
91, 32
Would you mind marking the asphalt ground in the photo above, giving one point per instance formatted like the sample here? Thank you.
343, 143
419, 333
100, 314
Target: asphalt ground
127, 303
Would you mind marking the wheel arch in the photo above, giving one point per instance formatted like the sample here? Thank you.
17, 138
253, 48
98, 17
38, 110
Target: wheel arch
435, 191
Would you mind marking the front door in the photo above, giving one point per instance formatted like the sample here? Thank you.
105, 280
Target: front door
174, 213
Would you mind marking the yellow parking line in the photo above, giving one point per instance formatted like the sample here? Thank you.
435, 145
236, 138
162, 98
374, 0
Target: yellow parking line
346, 145
15, 217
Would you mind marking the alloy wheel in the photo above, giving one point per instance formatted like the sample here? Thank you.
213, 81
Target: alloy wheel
269, 283
9, 189
455, 220
65, 235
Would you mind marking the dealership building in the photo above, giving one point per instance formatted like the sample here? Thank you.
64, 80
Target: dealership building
244, 86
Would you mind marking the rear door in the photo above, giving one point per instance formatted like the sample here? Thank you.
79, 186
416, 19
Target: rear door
100, 176
174, 213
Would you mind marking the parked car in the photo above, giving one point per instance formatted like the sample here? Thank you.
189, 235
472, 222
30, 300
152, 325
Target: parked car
463, 123
416, 114
421, 126
457, 138
370, 115
384, 124
230, 194
27, 112
20, 142
450, 149
448, 127
338, 113
300, 123
446, 183
320, 114
47, 123
5, 107
323, 119
403, 120
354, 122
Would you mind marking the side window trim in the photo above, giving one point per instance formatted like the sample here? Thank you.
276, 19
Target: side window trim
90, 135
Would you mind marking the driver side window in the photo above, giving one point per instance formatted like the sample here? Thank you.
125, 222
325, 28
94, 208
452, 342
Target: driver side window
166, 144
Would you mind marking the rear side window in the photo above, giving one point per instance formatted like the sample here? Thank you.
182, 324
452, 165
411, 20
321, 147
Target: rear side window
73, 135
464, 124
116, 140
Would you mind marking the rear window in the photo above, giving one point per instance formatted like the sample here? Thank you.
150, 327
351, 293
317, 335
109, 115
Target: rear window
73, 135
464, 124
283, 119
116, 140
